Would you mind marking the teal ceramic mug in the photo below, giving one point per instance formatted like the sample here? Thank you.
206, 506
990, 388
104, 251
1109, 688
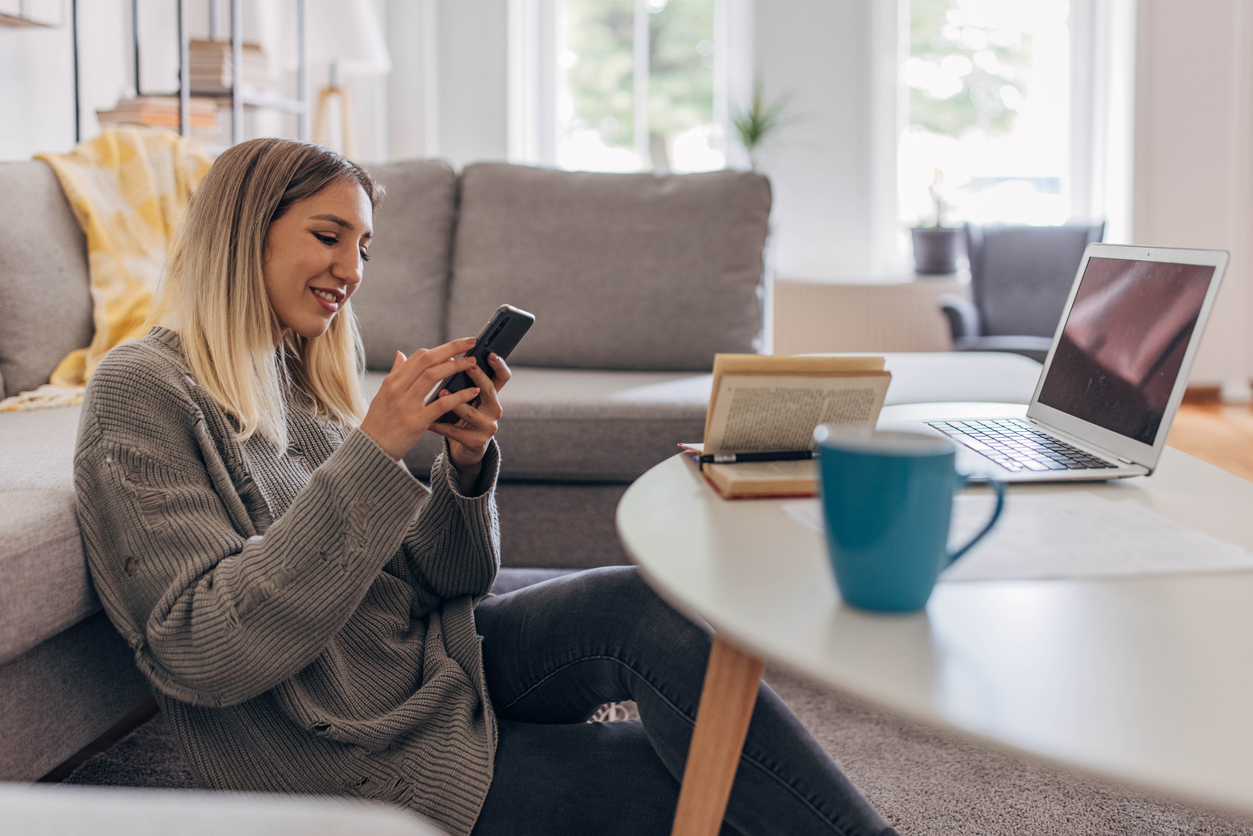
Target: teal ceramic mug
888, 499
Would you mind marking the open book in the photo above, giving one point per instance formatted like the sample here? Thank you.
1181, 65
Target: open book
763, 403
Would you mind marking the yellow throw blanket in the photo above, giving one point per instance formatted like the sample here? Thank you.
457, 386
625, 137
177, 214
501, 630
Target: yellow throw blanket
129, 188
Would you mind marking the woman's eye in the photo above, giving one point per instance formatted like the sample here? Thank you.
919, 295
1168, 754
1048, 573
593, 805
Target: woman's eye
365, 256
329, 240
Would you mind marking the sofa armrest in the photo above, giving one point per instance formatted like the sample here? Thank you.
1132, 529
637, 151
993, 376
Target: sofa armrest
962, 315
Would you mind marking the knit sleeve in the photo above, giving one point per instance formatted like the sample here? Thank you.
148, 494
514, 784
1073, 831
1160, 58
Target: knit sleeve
217, 613
453, 547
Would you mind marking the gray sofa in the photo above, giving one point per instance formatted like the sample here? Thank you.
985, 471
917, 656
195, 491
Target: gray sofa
636, 282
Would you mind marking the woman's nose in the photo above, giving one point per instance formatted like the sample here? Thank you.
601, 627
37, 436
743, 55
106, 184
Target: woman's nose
347, 267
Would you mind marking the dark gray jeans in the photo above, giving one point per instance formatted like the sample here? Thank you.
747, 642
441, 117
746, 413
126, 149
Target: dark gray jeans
555, 651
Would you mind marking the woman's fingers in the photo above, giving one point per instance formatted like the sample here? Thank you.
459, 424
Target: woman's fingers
423, 359
500, 371
489, 403
450, 402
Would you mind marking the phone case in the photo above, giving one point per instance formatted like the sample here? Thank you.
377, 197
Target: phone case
500, 335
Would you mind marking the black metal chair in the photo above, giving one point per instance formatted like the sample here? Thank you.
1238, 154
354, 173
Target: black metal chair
1020, 277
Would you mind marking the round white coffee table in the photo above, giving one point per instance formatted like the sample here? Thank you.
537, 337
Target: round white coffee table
1147, 680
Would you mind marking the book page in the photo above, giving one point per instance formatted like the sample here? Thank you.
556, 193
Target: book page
786, 365
753, 413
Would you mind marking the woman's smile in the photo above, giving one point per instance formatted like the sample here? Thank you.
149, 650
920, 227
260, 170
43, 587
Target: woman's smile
329, 299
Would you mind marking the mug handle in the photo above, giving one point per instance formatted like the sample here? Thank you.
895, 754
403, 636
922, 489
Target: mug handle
1000, 504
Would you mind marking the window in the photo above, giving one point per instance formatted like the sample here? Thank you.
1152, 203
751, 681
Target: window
989, 130
619, 85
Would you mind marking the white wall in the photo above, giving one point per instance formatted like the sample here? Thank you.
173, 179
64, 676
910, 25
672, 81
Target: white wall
447, 95
1194, 159
816, 52
37, 80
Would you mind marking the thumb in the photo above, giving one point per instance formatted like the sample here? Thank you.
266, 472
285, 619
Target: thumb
400, 358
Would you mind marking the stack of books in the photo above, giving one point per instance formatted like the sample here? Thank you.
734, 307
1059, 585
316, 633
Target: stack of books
212, 66
162, 112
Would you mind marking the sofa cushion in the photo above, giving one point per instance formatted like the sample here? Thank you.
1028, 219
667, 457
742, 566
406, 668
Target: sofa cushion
611, 426
622, 271
575, 424
938, 376
44, 587
44, 290
400, 302
37, 449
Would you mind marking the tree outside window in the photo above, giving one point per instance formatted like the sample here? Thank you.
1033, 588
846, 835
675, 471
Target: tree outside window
988, 86
636, 86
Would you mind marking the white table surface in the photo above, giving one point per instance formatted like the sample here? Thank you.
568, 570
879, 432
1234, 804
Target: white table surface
1145, 680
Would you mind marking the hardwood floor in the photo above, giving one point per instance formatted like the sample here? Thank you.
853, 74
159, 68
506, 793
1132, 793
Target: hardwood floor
1215, 433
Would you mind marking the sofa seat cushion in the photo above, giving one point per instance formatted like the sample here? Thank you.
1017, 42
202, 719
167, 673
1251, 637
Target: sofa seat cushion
939, 377
611, 426
44, 586
37, 449
590, 426
622, 271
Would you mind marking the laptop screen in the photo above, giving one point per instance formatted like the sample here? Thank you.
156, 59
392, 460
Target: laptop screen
1123, 345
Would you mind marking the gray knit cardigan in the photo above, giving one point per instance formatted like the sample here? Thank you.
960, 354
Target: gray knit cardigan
306, 616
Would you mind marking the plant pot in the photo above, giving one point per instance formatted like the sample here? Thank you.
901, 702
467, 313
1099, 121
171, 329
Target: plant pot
936, 249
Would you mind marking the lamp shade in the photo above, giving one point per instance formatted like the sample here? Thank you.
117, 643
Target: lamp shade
346, 32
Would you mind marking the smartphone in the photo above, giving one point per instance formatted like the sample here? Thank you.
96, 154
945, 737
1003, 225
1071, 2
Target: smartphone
500, 335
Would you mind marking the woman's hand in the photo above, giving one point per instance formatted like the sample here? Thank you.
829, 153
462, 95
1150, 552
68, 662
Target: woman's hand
469, 437
397, 416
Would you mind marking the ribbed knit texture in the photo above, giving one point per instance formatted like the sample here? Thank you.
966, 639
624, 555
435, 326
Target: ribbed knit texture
306, 616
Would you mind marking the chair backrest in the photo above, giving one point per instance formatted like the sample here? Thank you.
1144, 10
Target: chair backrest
1021, 275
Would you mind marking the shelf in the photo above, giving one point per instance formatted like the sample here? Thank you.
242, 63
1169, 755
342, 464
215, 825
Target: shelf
252, 99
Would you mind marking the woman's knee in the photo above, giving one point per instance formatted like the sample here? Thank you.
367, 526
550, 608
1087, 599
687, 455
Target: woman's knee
626, 598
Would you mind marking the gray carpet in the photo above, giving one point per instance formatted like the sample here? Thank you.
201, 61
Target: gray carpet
925, 782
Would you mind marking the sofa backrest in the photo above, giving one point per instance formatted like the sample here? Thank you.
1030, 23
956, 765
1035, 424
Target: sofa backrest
401, 300
45, 298
622, 271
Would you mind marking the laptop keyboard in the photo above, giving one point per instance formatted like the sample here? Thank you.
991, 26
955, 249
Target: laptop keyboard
1018, 446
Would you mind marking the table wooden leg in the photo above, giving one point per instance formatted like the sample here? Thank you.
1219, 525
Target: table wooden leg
726, 706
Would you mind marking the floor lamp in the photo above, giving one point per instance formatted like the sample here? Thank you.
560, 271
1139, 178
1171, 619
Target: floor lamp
347, 35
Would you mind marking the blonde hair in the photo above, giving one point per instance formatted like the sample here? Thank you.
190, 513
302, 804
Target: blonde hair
213, 292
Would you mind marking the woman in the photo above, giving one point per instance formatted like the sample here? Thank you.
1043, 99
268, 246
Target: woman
310, 614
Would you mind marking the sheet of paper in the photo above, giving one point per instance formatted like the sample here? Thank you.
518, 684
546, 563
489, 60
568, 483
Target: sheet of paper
1043, 536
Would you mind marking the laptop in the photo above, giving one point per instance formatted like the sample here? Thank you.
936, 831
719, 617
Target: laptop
1114, 376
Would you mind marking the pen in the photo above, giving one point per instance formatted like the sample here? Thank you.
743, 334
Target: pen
780, 456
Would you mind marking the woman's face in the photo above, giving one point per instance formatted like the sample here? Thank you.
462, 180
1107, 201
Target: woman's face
314, 255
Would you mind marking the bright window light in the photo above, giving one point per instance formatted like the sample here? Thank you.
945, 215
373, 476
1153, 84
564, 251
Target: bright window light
989, 112
636, 86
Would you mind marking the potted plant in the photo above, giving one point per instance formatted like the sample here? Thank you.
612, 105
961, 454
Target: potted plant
936, 246
758, 122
